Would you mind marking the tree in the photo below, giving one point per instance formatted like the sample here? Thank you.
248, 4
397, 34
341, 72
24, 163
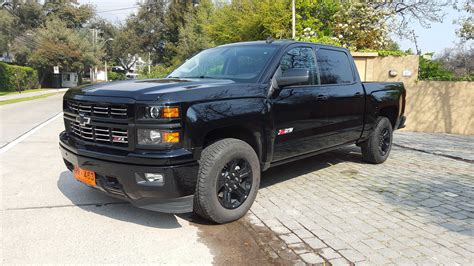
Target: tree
192, 36
466, 31
177, 15
356, 26
107, 33
359, 26
149, 27
433, 70
459, 60
248, 20
17, 17
402, 14
318, 15
7, 22
73, 15
126, 47
57, 45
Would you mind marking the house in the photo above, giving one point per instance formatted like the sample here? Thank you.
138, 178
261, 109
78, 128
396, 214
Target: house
69, 79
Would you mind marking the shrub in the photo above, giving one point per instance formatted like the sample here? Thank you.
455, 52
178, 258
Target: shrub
434, 70
17, 78
116, 76
158, 71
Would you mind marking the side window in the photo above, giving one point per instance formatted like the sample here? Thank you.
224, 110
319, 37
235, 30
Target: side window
334, 67
301, 57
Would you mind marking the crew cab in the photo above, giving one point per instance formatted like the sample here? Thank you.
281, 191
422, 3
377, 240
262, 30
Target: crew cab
199, 139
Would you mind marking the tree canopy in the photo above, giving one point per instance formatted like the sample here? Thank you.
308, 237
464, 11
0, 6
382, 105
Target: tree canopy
170, 31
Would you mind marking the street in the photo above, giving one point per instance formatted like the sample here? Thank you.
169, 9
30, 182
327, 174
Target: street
56, 219
415, 208
16, 119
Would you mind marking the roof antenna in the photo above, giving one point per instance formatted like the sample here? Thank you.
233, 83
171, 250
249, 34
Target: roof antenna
269, 39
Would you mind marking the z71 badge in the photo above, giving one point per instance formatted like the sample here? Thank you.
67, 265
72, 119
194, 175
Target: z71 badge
285, 131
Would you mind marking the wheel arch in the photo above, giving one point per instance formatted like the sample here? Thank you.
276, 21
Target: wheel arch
250, 136
390, 112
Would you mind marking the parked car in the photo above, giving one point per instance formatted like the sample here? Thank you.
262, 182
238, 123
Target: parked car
199, 139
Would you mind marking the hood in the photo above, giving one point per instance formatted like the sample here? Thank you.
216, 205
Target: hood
170, 89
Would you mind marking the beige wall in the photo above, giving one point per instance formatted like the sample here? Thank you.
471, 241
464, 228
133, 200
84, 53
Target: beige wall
441, 106
432, 106
372, 67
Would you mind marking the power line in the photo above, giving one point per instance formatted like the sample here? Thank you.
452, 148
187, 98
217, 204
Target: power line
117, 9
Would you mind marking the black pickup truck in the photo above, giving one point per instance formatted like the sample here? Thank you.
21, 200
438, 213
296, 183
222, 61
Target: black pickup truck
198, 139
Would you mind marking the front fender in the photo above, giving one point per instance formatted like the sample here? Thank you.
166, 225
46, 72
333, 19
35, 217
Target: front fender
202, 118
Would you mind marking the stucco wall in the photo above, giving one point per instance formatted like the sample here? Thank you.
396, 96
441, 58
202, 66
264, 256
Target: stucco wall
432, 106
376, 68
441, 106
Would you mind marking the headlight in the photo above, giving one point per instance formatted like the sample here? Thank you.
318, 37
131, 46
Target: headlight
157, 112
155, 137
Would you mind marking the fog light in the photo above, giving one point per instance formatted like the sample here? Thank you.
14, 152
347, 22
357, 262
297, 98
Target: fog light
150, 178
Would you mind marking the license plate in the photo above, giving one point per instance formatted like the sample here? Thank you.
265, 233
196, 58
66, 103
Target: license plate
85, 176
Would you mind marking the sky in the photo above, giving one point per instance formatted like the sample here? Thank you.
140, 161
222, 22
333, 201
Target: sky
435, 39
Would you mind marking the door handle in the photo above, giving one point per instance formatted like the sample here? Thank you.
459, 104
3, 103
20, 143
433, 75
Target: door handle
357, 94
322, 97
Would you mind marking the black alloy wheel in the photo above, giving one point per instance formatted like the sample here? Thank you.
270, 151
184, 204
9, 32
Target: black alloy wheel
385, 141
234, 183
376, 148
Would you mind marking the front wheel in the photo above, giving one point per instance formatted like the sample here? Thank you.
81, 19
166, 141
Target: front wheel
377, 148
228, 181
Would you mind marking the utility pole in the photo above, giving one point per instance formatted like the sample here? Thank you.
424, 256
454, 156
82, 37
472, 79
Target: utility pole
149, 63
106, 70
293, 15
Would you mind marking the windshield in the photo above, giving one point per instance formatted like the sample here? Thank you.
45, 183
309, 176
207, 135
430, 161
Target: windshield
238, 63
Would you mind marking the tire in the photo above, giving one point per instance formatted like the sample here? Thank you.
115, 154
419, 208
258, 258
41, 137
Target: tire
377, 148
222, 163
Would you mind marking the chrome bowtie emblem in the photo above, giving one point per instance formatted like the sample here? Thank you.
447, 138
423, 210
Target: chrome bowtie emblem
83, 120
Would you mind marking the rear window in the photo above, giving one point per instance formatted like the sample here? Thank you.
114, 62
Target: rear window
334, 67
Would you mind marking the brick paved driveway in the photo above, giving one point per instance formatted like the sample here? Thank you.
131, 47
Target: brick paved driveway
416, 208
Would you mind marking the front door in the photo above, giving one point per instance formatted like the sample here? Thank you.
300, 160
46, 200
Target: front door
299, 111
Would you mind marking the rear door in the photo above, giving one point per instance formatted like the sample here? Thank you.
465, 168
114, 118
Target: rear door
346, 101
299, 111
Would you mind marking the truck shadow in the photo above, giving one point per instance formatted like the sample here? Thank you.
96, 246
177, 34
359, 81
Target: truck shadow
94, 201
314, 163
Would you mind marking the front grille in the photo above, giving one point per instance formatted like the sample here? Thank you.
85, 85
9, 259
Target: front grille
100, 134
98, 110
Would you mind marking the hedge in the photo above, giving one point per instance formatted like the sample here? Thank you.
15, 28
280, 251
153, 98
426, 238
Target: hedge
116, 76
14, 78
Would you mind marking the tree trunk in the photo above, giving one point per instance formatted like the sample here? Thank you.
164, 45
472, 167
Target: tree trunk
43, 74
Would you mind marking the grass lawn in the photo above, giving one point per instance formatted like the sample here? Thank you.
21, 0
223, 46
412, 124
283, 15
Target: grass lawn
28, 98
3, 93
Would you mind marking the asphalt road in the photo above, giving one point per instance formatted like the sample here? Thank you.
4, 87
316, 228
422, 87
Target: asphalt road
18, 118
48, 217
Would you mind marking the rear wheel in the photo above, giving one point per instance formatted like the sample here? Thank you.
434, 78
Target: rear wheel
229, 177
377, 148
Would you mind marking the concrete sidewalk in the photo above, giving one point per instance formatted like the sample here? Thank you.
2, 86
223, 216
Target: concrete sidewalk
30, 94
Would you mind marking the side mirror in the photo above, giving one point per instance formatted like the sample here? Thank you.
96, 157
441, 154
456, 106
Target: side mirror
293, 76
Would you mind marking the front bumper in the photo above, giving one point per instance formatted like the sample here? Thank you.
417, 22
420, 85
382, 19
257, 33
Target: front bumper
119, 179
